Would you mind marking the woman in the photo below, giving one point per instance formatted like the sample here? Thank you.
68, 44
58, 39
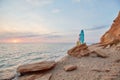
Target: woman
81, 37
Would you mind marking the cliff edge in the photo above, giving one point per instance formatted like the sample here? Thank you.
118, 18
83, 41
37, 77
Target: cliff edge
113, 34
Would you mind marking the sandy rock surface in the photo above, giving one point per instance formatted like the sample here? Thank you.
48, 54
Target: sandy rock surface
90, 68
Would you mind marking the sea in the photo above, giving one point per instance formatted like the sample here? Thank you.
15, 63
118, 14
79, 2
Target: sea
13, 55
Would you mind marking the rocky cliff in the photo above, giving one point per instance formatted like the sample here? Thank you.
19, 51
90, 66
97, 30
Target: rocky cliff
113, 34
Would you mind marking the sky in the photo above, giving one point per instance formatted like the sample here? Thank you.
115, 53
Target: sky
55, 21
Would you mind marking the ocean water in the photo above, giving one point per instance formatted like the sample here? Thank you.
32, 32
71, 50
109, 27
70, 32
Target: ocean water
13, 55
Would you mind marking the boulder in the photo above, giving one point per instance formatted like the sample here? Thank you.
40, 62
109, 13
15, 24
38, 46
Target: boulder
35, 67
79, 51
99, 53
112, 36
70, 67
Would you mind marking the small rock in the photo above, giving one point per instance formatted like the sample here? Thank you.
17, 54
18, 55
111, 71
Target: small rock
70, 67
40, 66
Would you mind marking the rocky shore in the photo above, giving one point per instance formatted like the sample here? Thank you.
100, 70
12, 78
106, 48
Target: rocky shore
100, 61
90, 67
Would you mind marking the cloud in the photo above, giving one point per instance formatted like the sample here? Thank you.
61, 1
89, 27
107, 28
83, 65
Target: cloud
40, 2
27, 22
97, 27
56, 10
53, 36
10, 35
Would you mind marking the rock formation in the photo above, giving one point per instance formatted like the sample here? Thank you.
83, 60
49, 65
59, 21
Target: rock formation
82, 50
112, 36
36, 71
41, 66
79, 51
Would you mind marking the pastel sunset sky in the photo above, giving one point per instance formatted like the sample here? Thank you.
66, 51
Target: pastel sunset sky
54, 21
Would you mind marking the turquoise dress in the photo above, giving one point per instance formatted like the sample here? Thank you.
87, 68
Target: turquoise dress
81, 37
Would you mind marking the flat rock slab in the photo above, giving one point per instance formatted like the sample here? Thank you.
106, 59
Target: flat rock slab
40, 76
70, 67
45, 77
30, 77
100, 53
41, 66
7, 75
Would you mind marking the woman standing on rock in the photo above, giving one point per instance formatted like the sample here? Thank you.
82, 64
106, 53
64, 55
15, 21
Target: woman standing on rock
81, 37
